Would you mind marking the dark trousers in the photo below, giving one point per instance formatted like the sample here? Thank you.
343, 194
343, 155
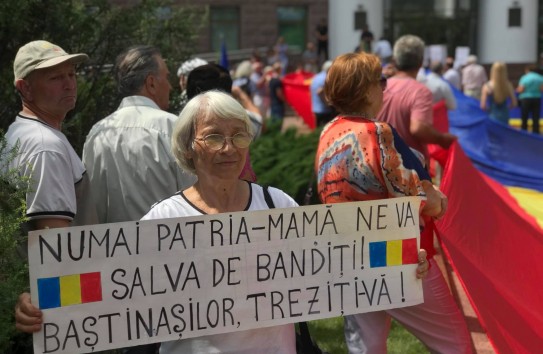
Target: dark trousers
530, 106
322, 47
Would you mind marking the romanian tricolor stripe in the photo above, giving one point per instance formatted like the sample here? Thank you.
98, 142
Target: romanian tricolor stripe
393, 253
69, 290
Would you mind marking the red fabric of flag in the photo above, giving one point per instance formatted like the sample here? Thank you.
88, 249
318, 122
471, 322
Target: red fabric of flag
298, 96
495, 248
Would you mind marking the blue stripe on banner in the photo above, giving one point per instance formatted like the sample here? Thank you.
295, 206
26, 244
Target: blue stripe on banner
49, 292
378, 254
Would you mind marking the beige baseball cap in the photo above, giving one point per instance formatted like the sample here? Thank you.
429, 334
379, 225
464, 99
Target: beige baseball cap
40, 55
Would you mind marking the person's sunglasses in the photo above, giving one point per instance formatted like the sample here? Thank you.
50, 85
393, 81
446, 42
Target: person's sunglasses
383, 82
217, 141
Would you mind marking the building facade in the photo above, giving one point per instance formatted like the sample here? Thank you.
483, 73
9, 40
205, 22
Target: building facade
495, 30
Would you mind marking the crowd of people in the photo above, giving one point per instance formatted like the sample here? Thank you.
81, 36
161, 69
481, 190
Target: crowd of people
198, 162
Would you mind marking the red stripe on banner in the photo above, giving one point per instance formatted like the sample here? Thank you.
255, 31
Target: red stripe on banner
409, 251
495, 248
91, 287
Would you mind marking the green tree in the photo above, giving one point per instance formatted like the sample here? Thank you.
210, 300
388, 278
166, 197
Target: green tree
102, 31
13, 269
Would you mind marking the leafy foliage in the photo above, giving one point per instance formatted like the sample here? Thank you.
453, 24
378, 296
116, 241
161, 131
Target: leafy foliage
102, 31
13, 270
286, 161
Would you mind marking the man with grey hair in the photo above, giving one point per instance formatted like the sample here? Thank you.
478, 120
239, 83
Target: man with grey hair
407, 103
473, 78
128, 153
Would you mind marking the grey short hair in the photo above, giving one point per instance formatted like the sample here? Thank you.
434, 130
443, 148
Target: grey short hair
214, 102
409, 52
134, 66
436, 67
472, 59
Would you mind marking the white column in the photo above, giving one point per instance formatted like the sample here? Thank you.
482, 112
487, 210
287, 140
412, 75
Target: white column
497, 41
343, 38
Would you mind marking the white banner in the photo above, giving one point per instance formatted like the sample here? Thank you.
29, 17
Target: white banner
118, 285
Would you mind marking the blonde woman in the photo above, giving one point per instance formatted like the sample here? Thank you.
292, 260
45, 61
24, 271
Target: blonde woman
496, 92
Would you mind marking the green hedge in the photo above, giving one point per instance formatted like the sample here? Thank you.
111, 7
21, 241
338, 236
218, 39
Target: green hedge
13, 268
286, 160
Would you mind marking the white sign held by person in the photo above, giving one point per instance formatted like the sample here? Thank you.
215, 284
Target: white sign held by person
124, 284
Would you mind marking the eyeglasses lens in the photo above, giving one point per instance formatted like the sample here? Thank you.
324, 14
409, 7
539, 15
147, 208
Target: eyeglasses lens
217, 141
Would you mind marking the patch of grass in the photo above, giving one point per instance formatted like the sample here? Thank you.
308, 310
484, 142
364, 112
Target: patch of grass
329, 335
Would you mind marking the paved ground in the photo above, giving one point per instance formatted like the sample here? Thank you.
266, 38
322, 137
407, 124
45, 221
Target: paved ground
481, 344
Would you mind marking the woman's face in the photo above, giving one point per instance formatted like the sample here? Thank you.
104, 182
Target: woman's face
225, 163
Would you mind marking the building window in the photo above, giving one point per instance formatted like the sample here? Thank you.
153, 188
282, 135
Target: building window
224, 24
515, 15
292, 22
360, 20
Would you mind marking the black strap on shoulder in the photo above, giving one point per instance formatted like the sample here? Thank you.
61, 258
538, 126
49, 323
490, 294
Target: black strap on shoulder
268, 198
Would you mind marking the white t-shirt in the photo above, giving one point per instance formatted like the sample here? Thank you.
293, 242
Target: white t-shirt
440, 90
383, 49
129, 161
46, 156
268, 340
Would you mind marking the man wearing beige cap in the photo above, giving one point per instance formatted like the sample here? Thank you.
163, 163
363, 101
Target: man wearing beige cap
45, 79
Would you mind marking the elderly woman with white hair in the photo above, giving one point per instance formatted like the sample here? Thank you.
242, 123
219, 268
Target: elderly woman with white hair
211, 140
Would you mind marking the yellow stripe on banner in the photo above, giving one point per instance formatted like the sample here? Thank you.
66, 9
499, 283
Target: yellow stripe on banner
394, 253
530, 200
70, 290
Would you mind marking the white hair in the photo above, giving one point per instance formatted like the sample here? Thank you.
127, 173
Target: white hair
216, 103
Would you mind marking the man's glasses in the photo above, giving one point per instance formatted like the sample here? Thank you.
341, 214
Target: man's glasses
383, 82
217, 141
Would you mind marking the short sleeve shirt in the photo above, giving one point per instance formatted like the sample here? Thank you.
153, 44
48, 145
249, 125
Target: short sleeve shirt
54, 169
359, 159
532, 85
406, 100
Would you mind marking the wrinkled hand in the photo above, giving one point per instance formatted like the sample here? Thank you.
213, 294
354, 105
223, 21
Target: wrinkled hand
28, 318
436, 201
423, 266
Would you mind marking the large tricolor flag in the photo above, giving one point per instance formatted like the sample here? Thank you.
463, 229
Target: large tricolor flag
492, 233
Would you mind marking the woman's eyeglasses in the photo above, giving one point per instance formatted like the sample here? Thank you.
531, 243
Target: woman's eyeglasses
383, 82
217, 141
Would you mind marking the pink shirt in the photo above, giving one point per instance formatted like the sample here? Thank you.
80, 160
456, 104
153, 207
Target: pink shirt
406, 100
473, 77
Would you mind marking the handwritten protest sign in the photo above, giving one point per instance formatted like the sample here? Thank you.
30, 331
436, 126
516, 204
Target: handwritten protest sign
124, 284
